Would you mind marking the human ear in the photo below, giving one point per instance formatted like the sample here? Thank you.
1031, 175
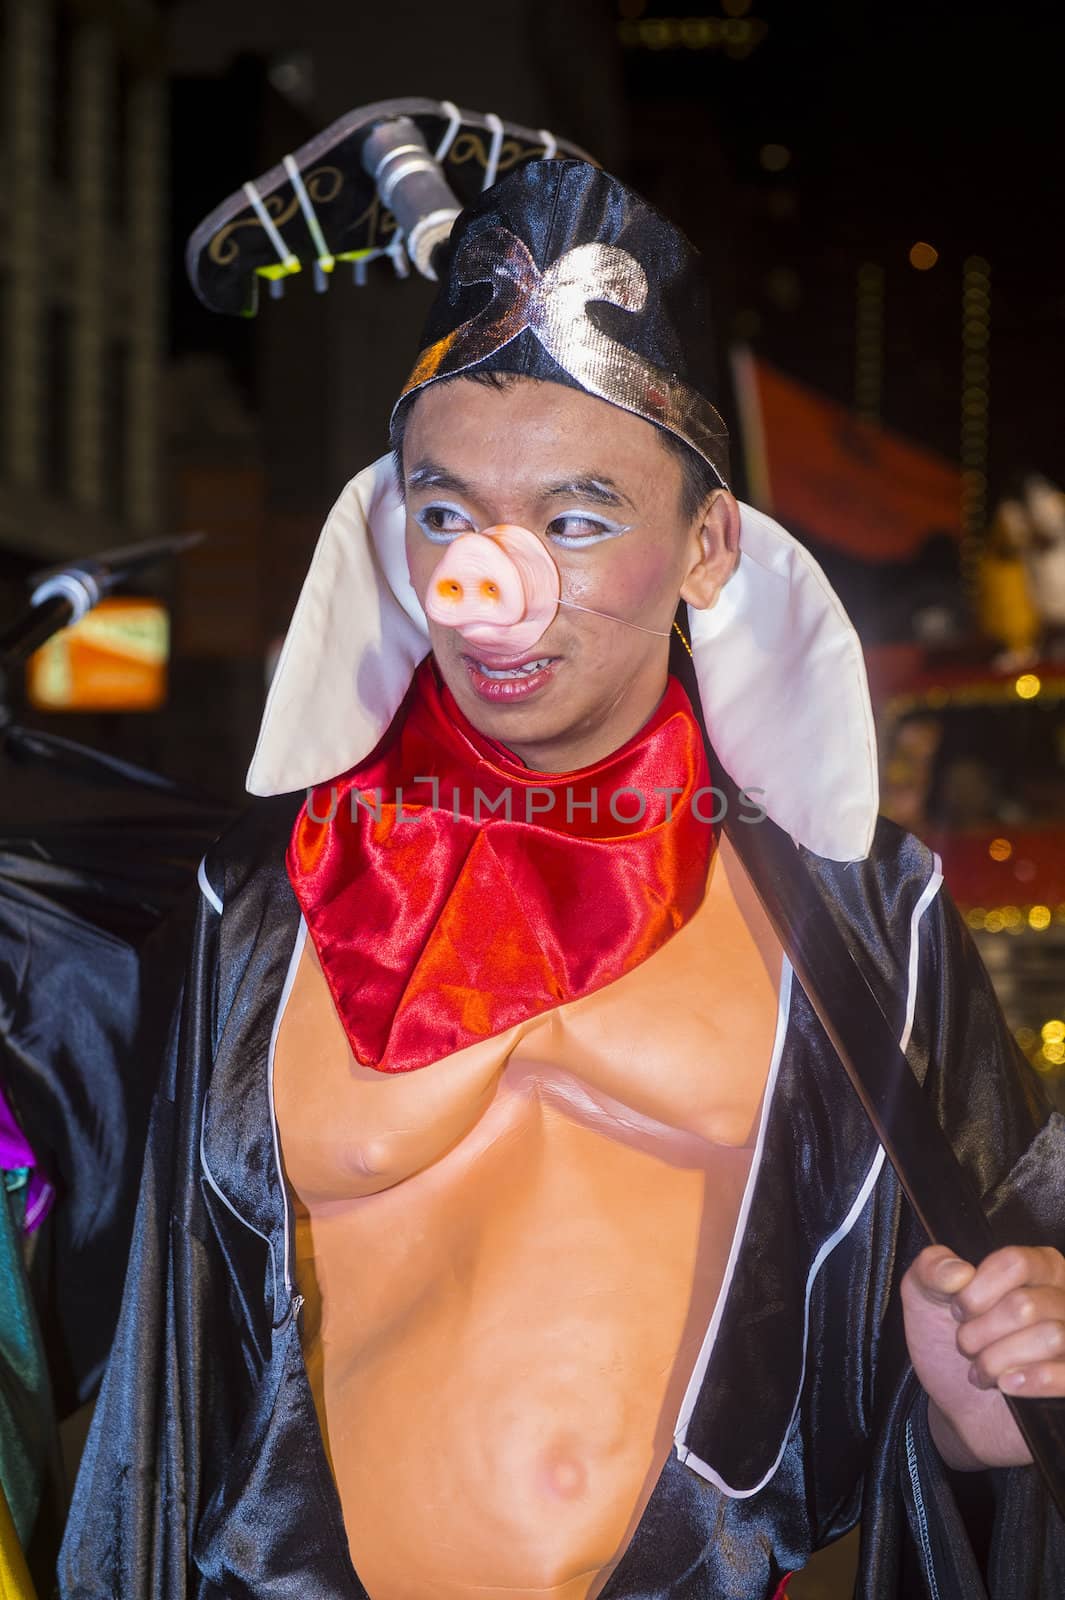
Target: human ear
716, 554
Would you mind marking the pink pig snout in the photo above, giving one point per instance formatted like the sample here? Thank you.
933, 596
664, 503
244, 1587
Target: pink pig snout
499, 588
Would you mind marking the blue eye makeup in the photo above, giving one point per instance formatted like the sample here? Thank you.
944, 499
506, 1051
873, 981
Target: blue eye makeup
572, 530
442, 523
575, 530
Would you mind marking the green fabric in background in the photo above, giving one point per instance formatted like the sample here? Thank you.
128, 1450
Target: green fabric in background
27, 1417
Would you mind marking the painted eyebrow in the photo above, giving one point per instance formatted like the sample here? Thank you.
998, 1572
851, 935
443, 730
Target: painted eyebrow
599, 490
429, 475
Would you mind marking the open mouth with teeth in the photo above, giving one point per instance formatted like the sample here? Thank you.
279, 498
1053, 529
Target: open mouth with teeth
511, 680
515, 672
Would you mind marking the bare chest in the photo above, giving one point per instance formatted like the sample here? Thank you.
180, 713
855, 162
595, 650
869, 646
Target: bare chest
675, 1052
510, 1258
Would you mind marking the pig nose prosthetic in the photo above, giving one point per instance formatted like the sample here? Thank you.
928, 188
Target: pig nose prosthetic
501, 589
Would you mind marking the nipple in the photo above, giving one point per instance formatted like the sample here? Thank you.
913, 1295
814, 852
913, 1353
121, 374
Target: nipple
566, 1478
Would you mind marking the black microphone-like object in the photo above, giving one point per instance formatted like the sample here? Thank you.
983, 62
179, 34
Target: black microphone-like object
411, 184
63, 595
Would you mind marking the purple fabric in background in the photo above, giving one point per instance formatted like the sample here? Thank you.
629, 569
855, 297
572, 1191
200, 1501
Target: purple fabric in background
15, 1153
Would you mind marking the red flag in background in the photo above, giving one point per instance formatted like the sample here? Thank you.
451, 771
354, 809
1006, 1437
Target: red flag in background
820, 469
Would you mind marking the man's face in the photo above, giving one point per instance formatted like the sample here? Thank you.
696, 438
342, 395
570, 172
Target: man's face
604, 494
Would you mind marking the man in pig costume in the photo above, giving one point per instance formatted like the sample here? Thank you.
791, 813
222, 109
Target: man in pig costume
509, 1229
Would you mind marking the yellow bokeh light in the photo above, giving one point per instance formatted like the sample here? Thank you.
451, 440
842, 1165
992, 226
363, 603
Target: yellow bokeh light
1028, 686
923, 256
1025, 1037
774, 157
994, 922
1053, 1032
1000, 849
1039, 917
1054, 1054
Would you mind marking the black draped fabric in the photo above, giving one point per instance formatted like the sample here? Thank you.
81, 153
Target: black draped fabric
205, 1474
109, 841
98, 864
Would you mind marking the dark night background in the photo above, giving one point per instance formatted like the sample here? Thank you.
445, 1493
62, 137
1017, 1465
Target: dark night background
939, 123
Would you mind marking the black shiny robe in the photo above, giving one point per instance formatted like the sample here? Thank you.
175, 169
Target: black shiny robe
205, 1475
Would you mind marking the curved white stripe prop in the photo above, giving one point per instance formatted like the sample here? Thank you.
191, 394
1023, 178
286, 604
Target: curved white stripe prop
779, 666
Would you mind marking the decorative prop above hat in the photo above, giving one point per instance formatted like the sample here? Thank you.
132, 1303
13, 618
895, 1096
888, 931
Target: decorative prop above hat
383, 183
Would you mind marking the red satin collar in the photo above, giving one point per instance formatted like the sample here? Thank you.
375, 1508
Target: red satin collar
440, 920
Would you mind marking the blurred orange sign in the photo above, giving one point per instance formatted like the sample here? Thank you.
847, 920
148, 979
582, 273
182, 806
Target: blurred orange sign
114, 659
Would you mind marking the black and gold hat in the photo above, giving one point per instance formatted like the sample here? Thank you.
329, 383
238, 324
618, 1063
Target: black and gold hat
561, 273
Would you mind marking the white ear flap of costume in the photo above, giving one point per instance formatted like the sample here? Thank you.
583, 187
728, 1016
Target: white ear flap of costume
355, 639
782, 682
779, 667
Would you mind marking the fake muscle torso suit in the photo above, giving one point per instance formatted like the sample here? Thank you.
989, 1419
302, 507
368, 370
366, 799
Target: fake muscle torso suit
510, 1256
508, 1225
